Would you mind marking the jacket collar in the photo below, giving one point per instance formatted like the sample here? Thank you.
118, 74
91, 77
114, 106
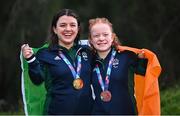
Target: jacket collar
61, 48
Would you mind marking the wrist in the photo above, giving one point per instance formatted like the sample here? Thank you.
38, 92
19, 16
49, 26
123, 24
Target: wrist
31, 59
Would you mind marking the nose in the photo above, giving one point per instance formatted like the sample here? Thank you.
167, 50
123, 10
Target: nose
101, 37
68, 27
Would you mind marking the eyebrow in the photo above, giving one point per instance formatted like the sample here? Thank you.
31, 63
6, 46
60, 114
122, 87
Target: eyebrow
66, 23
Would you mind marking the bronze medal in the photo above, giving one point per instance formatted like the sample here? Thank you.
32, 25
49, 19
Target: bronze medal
106, 96
78, 83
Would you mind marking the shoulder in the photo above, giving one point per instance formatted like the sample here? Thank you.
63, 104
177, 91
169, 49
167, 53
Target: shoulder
127, 53
42, 52
86, 48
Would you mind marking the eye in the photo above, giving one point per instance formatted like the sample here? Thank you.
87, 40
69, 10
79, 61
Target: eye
105, 34
62, 25
73, 25
96, 35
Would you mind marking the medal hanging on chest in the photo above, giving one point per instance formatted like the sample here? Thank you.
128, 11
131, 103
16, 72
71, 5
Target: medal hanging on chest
105, 94
78, 82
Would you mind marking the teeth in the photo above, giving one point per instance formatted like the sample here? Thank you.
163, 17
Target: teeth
67, 34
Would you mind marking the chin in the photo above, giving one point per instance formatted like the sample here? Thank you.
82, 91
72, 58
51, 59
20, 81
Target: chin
102, 49
69, 42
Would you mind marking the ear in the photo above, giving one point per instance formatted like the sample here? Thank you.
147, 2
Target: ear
79, 30
90, 40
90, 43
113, 36
54, 29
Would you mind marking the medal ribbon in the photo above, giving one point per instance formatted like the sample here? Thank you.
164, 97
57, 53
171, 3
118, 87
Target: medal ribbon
77, 72
105, 85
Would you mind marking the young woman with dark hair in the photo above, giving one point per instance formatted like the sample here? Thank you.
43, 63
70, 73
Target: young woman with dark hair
65, 67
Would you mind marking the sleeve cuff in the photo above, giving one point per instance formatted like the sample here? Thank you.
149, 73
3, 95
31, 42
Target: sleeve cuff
31, 59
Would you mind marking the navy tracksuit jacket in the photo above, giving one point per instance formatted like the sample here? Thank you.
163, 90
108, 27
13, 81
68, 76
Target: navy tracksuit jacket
50, 68
121, 84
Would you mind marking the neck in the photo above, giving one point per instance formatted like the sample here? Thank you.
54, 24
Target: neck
67, 46
103, 54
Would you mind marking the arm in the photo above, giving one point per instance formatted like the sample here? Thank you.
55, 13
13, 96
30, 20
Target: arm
36, 72
35, 67
141, 64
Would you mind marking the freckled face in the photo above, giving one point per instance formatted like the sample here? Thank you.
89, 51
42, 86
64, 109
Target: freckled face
101, 37
66, 30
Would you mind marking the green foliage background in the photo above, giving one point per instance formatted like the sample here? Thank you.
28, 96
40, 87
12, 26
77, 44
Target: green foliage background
170, 101
152, 24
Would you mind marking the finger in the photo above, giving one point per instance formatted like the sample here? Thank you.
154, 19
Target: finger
28, 54
23, 46
141, 54
28, 51
27, 48
27, 45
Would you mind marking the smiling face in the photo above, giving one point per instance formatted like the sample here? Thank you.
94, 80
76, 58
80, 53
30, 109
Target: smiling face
66, 29
101, 37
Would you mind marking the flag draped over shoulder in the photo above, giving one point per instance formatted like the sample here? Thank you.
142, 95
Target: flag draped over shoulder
147, 87
33, 95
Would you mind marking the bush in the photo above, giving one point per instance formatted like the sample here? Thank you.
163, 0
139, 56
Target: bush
170, 101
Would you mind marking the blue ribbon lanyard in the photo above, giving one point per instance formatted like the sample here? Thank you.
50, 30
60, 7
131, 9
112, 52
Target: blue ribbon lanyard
76, 74
105, 85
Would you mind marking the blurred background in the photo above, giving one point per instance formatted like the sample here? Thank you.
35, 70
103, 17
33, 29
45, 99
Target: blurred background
151, 24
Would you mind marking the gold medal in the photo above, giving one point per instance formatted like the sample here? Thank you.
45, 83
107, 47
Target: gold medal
78, 83
106, 96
